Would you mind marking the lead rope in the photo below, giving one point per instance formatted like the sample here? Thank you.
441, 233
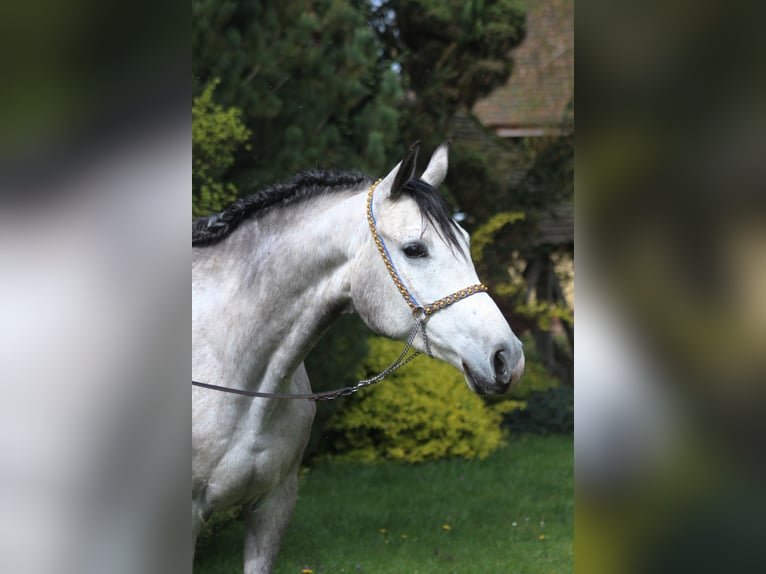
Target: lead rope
345, 391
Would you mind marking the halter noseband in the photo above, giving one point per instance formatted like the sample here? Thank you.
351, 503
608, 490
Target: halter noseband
419, 312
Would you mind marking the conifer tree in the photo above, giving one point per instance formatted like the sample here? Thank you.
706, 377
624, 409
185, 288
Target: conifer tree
452, 53
308, 77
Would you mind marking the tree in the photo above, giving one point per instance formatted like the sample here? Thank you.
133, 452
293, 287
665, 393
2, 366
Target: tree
452, 53
309, 79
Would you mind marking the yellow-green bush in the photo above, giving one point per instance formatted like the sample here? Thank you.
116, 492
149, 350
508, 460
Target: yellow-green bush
217, 132
423, 411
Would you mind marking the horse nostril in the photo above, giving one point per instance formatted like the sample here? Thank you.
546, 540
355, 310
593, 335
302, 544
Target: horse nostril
502, 374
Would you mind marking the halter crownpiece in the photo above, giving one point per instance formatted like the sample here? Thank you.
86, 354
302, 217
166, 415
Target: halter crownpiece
419, 312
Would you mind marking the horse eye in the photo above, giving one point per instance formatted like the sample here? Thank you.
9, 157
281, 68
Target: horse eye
415, 250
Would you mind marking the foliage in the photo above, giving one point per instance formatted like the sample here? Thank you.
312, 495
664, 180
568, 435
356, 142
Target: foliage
540, 404
216, 134
549, 411
325, 370
452, 52
550, 177
218, 522
309, 79
423, 412
483, 237
334, 363
536, 379
496, 251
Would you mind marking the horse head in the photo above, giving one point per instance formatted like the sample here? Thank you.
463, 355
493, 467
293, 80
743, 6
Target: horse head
419, 255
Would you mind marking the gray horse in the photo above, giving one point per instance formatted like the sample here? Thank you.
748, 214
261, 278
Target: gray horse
269, 275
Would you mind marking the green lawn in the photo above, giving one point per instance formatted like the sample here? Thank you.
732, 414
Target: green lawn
512, 512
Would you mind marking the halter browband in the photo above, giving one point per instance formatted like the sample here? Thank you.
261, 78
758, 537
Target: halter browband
417, 309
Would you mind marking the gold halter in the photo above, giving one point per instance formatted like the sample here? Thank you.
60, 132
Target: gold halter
418, 311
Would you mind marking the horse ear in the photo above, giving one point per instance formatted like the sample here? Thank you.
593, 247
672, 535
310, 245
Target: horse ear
402, 173
437, 167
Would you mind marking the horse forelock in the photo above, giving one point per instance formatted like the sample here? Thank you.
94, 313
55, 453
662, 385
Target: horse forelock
436, 210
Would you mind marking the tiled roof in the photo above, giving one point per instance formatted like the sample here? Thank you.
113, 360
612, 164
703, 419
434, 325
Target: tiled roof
535, 99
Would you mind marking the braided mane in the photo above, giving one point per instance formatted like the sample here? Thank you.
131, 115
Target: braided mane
213, 228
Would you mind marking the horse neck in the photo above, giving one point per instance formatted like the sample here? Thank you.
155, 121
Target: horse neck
265, 295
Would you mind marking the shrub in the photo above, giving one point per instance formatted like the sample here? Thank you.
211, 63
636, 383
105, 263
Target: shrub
216, 135
536, 378
421, 412
334, 363
549, 411
539, 405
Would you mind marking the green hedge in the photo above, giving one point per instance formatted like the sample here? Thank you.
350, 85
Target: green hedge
550, 411
540, 404
423, 411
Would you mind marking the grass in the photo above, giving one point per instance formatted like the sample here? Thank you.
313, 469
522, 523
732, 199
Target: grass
510, 513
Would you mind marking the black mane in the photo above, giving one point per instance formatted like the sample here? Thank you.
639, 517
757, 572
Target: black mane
213, 228
308, 184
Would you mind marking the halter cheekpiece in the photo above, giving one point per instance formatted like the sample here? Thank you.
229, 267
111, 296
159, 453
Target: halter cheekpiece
417, 309
420, 314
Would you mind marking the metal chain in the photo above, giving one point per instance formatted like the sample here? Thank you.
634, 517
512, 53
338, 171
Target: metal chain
399, 362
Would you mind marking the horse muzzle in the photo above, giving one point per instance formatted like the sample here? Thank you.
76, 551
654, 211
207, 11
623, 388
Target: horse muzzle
499, 373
